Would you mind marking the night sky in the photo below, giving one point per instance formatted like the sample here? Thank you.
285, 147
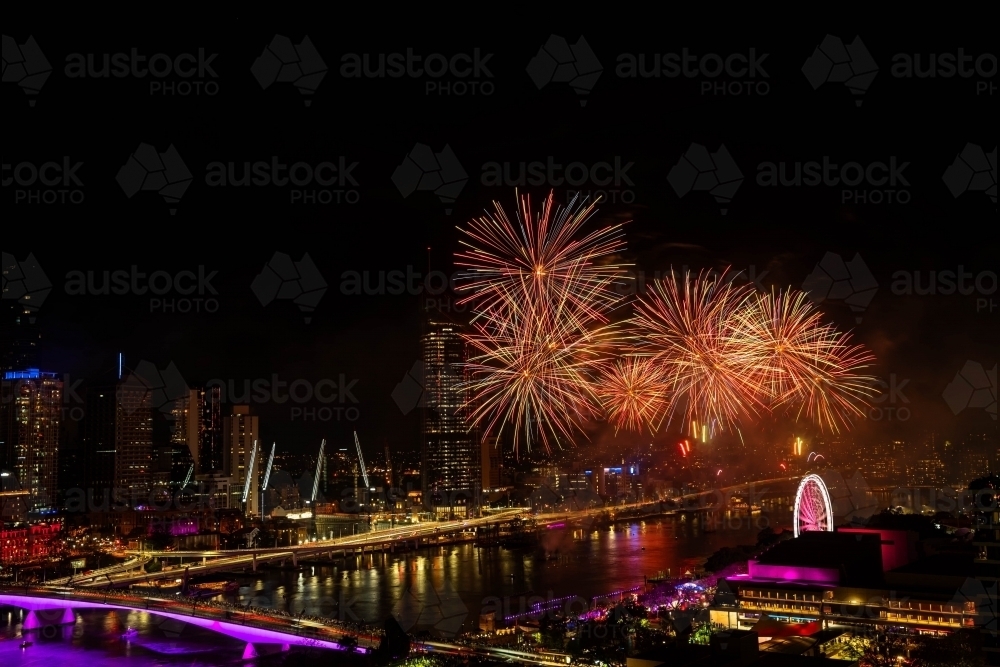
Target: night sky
646, 124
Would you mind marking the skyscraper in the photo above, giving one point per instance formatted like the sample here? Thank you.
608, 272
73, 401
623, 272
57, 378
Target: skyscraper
211, 457
133, 438
30, 421
19, 337
118, 440
242, 430
185, 416
450, 471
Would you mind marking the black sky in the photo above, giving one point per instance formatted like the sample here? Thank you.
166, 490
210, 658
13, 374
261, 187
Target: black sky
649, 123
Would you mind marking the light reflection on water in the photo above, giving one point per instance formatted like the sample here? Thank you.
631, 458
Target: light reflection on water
456, 582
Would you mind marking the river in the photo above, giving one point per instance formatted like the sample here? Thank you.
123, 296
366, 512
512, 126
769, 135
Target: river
443, 588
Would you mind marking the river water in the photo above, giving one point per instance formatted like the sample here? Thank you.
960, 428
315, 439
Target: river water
442, 589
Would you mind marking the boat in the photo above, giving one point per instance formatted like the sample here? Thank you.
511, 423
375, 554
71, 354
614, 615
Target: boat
211, 589
129, 633
26, 644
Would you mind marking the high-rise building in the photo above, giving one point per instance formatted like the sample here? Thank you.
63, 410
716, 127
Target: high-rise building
241, 434
490, 458
118, 440
30, 423
185, 417
211, 454
133, 438
19, 336
450, 469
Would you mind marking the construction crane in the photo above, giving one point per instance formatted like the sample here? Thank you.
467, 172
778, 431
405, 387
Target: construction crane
267, 477
187, 478
361, 462
246, 482
319, 467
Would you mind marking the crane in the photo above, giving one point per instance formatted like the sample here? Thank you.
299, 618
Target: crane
361, 461
187, 478
267, 477
246, 482
270, 464
319, 467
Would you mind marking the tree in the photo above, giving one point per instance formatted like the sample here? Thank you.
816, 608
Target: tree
884, 651
960, 649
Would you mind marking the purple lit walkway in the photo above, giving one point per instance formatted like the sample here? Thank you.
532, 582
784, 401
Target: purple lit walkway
245, 626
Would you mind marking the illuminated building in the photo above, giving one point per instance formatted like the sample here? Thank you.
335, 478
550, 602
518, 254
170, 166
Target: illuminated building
211, 454
30, 419
450, 471
23, 542
491, 463
867, 579
118, 441
185, 415
241, 431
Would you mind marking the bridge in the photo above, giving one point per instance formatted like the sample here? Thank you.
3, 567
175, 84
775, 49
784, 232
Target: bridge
205, 562
55, 606
48, 606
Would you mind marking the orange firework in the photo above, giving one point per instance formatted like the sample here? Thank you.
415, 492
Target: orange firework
685, 326
541, 326
538, 259
633, 393
801, 362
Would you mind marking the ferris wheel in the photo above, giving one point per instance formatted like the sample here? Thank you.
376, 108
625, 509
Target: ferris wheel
813, 509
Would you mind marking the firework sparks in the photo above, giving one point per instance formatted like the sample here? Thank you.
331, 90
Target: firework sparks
633, 393
727, 354
685, 326
541, 328
539, 259
801, 362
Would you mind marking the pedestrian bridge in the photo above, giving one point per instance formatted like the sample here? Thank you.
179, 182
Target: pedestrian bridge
54, 606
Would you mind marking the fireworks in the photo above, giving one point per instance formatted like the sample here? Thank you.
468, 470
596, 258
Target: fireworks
726, 354
633, 393
802, 363
539, 260
685, 326
541, 329
547, 358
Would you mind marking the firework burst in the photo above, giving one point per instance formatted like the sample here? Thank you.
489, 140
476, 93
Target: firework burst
633, 393
541, 329
540, 260
726, 353
803, 364
685, 326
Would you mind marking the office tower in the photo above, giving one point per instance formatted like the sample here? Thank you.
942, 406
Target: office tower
30, 421
133, 438
490, 460
118, 441
241, 431
19, 337
211, 457
450, 470
185, 417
